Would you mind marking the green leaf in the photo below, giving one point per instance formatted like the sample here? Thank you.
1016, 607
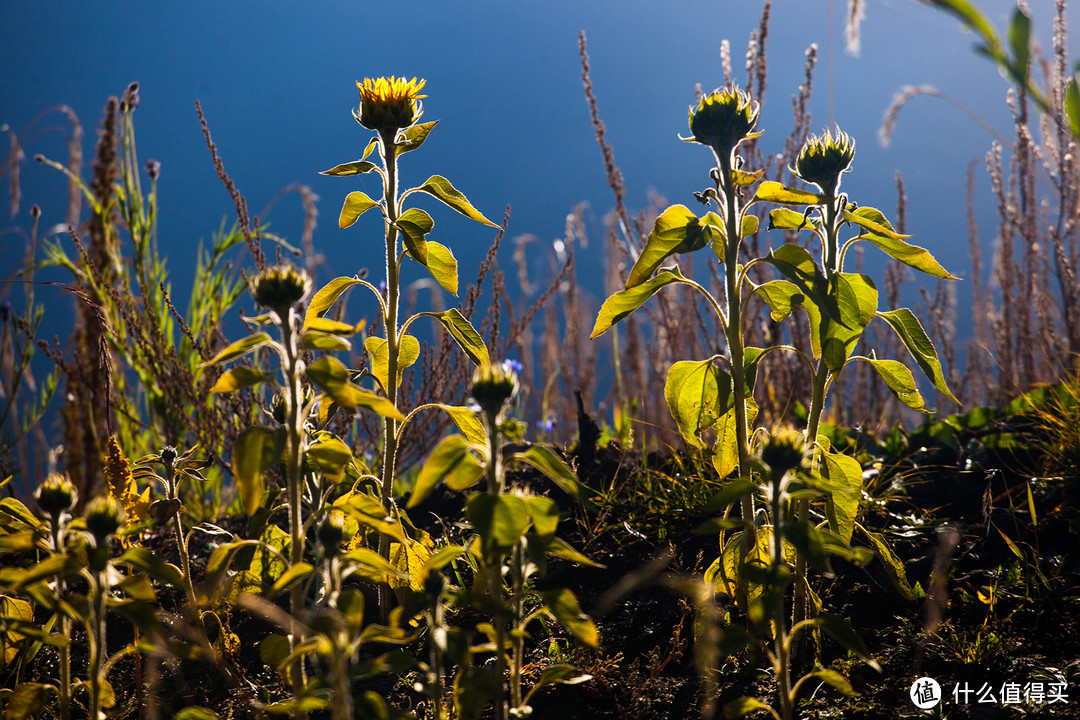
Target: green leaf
875, 229
561, 674
809, 542
378, 350
332, 456
327, 296
844, 474
841, 631
677, 230
835, 679
500, 520
797, 265
894, 566
856, 299
624, 302
442, 265
440, 188
560, 548
744, 706
1020, 41
146, 560
454, 459
697, 394
787, 219
329, 343
331, 327
544, 459
240, 348
745, 178
781, 296
255, 450
463, 333
415, 224
356, 167
291, 576
774, 192
356, 204
544, 513
412, 138
749, 226
725, 452
467, 422
26, 701
332, 376
922, 350
1072, 105
563, 606
900, 381
237, 378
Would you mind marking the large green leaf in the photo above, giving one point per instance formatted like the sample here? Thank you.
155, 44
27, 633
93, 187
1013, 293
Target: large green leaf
781, 296
464, 334
378, 351
922, 350
725, 452
415, 224
774, 192
563, 606
844, 475
255, 450
500, 520
856, 299
240, 348
467, 422
442, 265
356, 204
876, 229
327, 296
454, 459
900, 381
413, 137
440, 188
624, 302
677, 230
332, 456
697, 394
797, 265
332, 376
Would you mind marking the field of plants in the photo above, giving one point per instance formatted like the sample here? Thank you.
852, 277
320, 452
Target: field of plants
788, 496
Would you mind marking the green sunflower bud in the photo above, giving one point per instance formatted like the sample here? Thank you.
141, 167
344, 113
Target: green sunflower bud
493, 386
104, 516
389, 104
784, 451
280, 287
56, 495
824, 158
723, 119
331, 532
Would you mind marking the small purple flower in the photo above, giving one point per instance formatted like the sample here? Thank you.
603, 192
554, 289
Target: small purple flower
514, 365
547, 425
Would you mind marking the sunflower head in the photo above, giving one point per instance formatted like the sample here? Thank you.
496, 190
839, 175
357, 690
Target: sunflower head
493, 386
824, 158
104, 516
389, 104
280, 287
784, 451
56, 495
723, 119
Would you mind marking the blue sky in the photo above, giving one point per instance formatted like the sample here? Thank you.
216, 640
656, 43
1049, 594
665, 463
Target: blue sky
277, 81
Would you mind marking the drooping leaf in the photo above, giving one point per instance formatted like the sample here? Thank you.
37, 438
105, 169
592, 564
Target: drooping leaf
356, 204
453, 459
356, 167
844, 474
563, 606
561, 674
415, 224
240, 348
331, 327
441, 189
624, 302
697, 394
840, 630
922, 350
544, 459
442, 265
774, 192
26, 701
894, 566
378, 352
332, 376
900, 381
835, 679
463, 333
874, 228
255, 450
146, 560
786, 219
743, 706
677, 230
781, 296
797, 265
239, 377
745, 178
332, 457
856, 300
467, 422
327, 296
499, 520
290, 577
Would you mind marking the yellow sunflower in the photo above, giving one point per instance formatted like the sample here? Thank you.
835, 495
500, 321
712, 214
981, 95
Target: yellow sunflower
389, 104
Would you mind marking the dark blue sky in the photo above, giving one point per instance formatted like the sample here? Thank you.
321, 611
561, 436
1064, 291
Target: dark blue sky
277, 81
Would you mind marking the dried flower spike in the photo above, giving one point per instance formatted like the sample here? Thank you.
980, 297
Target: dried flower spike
824, 158
389, 104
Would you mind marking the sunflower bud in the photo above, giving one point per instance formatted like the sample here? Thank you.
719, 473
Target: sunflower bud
389, 104
824, 158
331, 532
56, 495
104, 516
493, 386
280, 287
784, 451
723, 119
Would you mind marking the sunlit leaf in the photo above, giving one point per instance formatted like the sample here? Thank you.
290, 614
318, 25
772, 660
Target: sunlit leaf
240, 348
499, 520
237, 378
564, 607
781, 296
331, 375
844, 474
840, 630
378, 352
440, 188
454, 459
744, 706
293, 575
327, 296
624, 302
332, 456
786, 219
255, 450
910, 331
443, 266
856, 300
894, 566
677, 230
413, 137
544, 459
356, 204
464, 334
876, 229
697, 394
415, 224
900, 381
467, 422
774, 192
356, 167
